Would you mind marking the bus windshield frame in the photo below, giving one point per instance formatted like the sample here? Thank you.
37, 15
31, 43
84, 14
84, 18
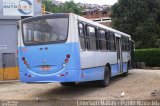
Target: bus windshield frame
44, 18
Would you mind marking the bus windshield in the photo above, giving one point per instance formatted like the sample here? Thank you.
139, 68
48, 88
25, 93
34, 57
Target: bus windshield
44, 31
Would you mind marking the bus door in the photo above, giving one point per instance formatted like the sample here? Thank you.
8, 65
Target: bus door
119, 54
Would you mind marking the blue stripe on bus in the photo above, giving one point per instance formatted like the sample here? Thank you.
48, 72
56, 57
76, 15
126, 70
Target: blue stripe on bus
72, 72
91, 74
124, 67
36, 60
114, 70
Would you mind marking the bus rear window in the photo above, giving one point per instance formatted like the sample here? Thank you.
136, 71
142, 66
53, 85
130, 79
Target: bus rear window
45, 31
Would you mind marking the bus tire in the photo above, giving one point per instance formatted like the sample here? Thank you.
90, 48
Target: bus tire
107, 76
68, 83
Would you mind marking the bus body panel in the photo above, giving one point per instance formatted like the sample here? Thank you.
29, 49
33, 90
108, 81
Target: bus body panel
99, 59
55, 58
82, 66
102, 58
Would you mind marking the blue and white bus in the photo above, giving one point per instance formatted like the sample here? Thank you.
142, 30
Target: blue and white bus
68, 48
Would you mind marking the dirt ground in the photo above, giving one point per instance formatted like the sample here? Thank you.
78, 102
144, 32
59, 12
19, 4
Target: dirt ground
138, 85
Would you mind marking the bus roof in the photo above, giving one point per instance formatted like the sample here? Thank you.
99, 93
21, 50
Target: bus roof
79, 18
47, 16
102, 26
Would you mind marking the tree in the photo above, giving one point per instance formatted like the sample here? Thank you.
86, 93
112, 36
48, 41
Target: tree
140, 19
67, 7
48, 4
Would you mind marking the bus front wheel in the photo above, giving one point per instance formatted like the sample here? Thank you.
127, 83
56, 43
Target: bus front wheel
68, 83
107, 76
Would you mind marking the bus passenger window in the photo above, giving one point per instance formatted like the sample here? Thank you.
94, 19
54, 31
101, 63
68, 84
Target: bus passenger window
122, 40
112, 46
107, 40
91, 35
81, 35
128, 45
102, 39
29, 37
125, 44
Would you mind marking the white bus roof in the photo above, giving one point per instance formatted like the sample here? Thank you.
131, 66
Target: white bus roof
100, 25
80, 18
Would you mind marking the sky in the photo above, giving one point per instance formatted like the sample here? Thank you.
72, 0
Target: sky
100, 2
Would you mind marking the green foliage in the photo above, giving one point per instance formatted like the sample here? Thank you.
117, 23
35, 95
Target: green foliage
139, 18
67, 7
150, 56
48, 4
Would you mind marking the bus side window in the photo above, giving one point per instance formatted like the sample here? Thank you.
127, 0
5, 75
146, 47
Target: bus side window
113, 42
107, 40
102, 40
112, 45
125, 44
128, 45
81, 35
87, 38
91, 38
122, 40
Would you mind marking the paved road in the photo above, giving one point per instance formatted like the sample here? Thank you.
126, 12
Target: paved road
138, 85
